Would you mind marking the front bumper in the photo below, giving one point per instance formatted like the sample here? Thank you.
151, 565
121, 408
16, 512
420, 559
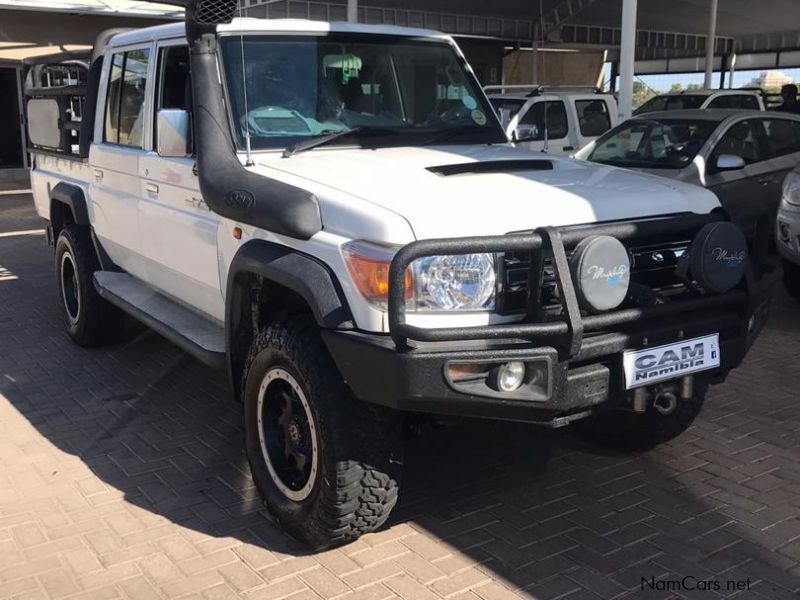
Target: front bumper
415, 380
407, 370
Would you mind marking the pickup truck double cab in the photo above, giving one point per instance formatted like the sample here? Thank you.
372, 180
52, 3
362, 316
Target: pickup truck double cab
554, 120
332, 214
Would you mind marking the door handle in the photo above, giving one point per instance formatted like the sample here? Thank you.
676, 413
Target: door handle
568, 148
765, 181
98, 175
151, 188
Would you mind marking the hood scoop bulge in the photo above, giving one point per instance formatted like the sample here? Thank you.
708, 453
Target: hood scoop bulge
492, 166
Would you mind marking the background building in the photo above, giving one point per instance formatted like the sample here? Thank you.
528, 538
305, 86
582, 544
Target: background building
30, 28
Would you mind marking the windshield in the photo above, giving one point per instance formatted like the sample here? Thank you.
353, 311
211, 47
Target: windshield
681, 102
391, 91
650, 144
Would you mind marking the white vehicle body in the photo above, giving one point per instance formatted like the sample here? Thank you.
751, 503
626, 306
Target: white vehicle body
571, 120
358, 244
148, 213
692, 99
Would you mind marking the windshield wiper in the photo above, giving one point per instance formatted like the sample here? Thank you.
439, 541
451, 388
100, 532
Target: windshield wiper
317, 141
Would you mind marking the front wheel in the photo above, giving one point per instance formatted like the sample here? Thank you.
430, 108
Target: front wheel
791, 279
626, 431
326, 465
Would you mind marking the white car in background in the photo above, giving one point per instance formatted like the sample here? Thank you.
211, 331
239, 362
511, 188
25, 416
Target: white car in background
558, 121
686, 100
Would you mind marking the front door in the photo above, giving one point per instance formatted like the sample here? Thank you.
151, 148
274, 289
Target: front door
545, 126
180, 230
742, 192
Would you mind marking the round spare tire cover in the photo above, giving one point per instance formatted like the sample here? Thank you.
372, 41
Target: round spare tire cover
718, 257
601, 269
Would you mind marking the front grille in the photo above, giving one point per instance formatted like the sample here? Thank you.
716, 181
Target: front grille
653, 267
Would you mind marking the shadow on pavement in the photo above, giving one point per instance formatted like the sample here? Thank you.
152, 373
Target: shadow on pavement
538, 508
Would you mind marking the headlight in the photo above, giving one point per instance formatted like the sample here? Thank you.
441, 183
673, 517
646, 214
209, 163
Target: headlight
460, 282
791, 188
438, 283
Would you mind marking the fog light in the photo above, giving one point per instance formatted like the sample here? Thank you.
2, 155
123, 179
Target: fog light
509, 377
785, 232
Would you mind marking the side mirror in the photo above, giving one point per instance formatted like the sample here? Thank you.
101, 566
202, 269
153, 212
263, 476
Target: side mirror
526, 133
730, 162
173, 127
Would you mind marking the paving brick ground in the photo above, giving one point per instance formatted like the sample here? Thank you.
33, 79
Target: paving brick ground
122, 476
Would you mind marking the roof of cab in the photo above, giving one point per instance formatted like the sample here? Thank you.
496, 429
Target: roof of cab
277, 26
710, 93
711, 114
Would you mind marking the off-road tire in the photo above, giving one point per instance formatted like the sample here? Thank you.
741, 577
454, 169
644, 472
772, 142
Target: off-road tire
626, 431
791, 279
91, 320
359, 444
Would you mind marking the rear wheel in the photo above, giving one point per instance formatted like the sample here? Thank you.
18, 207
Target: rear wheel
90, 320
791, 279
327, 465
627, 431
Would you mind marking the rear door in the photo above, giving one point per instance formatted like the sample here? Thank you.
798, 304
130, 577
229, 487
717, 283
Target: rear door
179, 232
114, 159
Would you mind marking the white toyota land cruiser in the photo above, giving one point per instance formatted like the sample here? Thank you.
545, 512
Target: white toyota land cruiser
332, 213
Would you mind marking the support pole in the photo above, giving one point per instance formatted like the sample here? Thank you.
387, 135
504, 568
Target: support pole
352, 11
711, 43
627, 58
732, 70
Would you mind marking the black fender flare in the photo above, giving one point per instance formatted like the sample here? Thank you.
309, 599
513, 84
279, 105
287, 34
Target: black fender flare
73, 197
304, 275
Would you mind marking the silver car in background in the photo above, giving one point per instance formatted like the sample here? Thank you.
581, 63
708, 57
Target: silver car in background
742, 156
788, 233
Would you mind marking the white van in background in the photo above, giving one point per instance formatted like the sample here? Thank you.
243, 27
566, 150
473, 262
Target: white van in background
556, 120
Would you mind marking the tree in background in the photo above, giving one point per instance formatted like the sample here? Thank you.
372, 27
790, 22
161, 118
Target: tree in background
642, 93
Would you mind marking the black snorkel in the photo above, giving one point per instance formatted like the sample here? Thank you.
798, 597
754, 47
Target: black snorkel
228, 188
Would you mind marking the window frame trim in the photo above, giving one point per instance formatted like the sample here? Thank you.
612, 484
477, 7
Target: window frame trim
100, 124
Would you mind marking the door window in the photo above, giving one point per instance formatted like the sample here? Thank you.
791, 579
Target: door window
593, 117
174, 82
550, 115
743, 139
782, 137
735, 101
125, 101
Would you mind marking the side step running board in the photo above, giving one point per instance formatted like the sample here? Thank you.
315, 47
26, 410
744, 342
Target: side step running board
194, 334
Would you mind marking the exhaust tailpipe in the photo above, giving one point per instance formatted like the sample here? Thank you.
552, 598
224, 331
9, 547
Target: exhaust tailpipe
665, 403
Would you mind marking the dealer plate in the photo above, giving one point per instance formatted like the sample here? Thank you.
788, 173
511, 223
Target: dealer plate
671, 361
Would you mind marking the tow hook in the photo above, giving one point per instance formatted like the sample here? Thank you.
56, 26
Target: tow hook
666, 403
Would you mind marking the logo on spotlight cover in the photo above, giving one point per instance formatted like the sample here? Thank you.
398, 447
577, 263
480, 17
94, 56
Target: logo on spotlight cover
613, 277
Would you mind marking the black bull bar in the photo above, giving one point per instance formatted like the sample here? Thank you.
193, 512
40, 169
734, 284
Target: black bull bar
567, 333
